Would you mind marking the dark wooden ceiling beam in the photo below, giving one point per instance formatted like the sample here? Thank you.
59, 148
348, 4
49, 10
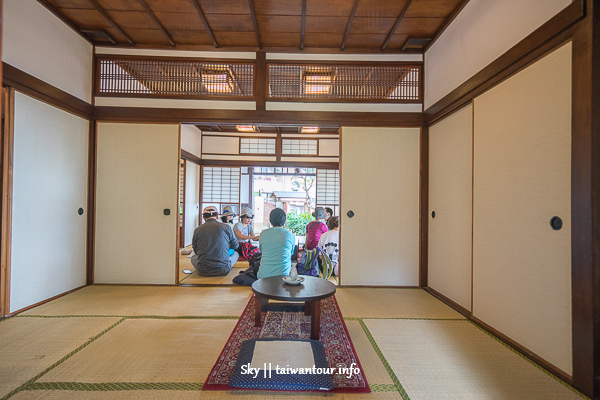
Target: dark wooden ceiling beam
389, 37
275, 117
205, 22
255, 21
303, 29
157, 22
109, 20
343, 46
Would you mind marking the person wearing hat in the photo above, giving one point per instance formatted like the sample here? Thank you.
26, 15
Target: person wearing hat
315, 229
244, 231
276, 246
227, 216
211, 242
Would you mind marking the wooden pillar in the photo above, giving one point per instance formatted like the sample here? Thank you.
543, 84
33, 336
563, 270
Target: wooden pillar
585, 202
260, 83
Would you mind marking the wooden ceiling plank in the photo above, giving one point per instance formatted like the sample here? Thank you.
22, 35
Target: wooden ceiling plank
64, 19
203, 18
109, 20
303, 29
349, 24
158, 24
255, 21
384, 45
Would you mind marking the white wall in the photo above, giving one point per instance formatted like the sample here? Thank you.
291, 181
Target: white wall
37, 42
192, 200
48, 252
191, 140
522, 178
483, 31
379, 172
450, 196
137, 178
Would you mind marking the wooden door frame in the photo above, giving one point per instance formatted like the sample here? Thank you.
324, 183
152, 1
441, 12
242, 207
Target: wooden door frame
7, 144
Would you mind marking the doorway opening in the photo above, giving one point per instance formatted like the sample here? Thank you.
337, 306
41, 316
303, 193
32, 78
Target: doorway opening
296, 190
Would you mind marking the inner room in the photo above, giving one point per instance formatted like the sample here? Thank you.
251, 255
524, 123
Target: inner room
261, 166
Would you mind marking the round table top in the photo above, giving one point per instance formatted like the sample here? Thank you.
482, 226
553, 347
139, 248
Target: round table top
311, 289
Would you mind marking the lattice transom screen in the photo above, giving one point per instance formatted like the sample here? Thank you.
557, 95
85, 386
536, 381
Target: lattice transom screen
257, 146
158, 78
382, 83
300, 147
328, 187
220, 185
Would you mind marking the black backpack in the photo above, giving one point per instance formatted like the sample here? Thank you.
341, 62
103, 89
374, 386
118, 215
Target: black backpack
249, 276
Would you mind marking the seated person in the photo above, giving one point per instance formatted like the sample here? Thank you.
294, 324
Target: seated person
315, 229
330, 241
227, 216
211, 242
244, 232
276, 246
329, 213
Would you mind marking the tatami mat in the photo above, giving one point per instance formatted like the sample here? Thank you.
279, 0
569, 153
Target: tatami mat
457, 360
412, 343
148, 350
195, 279
28, 346
186, 395
149, 300
371, 364
392, 303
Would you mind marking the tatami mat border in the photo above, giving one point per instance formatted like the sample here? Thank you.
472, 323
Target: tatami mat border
116, 386
398, 386
38, 376
133, 316
401, 318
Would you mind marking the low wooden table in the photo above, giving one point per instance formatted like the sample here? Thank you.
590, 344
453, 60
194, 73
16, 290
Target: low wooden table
311, 291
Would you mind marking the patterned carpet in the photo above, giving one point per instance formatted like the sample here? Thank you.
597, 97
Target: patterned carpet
339, 349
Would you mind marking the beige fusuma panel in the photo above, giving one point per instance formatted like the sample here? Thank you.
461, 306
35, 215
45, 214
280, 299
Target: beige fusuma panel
522, 172
450, 198
379, 176
137, 180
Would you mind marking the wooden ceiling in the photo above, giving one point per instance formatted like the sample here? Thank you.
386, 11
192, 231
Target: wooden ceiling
315, 26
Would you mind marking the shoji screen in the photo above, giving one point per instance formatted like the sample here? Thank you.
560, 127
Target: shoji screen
48, 253
522, 172
380, 185
137, 179
328, 189
450, 198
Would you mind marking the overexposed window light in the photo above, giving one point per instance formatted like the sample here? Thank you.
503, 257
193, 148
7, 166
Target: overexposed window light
217, 81
246, 128
309, 129
317, 82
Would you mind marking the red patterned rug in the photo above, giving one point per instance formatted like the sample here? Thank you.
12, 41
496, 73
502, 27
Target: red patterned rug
339, 350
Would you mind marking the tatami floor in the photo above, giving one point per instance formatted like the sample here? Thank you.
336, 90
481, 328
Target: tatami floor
189, 276
144, 342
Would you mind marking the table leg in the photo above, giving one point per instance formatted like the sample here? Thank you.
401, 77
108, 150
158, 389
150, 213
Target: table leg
307, 306
257, 310
315, 319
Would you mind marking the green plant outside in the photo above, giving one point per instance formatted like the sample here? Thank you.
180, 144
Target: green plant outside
296, 223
